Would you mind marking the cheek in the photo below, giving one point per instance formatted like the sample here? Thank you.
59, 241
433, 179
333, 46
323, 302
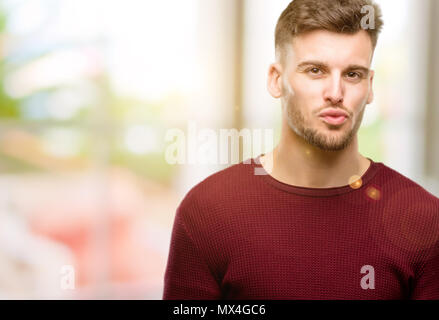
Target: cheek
356, 98
307, 97
306, 88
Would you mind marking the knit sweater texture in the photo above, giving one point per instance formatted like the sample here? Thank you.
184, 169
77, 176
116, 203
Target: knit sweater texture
241, 235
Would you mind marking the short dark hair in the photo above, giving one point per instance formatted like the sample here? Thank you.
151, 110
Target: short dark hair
342, 16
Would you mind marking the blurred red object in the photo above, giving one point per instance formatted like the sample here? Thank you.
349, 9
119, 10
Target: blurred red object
102, 219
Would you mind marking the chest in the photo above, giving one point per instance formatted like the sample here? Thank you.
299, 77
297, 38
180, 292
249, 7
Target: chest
313, 258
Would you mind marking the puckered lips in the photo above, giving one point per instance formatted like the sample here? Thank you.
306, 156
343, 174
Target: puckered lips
333, 116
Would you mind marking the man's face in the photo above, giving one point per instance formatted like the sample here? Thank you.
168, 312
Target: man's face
326, 85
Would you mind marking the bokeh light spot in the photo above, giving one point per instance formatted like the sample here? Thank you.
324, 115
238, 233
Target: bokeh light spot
373, 193
355, 182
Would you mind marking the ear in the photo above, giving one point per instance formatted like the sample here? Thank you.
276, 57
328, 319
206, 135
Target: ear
274, 83
370, 98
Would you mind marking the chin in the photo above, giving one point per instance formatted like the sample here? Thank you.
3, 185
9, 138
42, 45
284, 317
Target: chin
328, 141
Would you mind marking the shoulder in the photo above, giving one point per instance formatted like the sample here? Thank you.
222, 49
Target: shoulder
410, 214
220, 190
223, 181
207, 208
224, 184
396, 182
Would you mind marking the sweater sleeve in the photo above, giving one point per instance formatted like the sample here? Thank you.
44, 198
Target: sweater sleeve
187, 275
427, 282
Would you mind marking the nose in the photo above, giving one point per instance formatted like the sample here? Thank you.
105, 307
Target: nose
334, 91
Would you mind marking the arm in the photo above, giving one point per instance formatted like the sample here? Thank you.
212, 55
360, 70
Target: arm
187, 274
426, 286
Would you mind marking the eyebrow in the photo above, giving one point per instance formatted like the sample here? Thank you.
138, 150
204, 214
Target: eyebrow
322, 65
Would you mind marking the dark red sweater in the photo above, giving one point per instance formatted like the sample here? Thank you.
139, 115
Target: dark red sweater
238, 235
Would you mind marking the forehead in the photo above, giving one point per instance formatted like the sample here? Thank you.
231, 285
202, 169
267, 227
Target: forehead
334, 49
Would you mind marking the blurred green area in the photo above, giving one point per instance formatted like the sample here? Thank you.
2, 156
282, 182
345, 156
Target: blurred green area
370, 140
9, 108
109, 110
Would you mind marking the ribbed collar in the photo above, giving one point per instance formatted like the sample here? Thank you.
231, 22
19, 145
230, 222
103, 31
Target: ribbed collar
374, 167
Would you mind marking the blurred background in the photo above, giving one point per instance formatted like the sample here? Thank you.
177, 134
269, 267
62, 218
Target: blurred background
88, 91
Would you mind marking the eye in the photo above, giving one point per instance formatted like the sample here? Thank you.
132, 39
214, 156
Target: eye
314, 71
354, 75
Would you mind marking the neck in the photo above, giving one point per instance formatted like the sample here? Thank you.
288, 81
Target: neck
298, 163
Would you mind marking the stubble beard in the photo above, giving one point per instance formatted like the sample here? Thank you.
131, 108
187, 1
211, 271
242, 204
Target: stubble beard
326, 142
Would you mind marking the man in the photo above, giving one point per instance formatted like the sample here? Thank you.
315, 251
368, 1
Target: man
324, 222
